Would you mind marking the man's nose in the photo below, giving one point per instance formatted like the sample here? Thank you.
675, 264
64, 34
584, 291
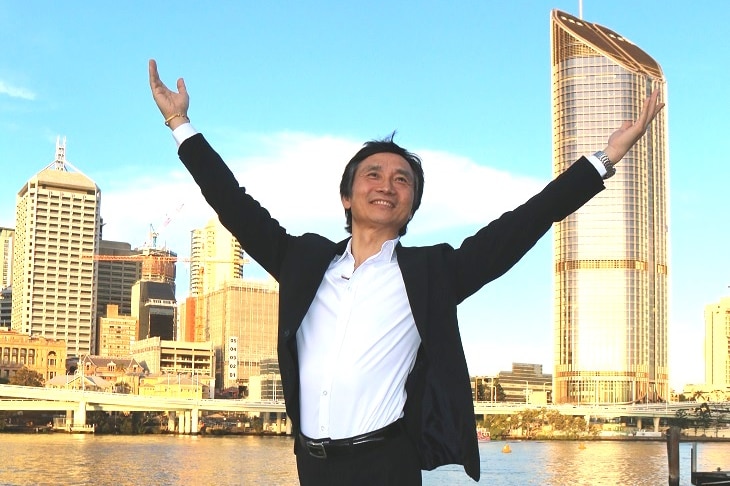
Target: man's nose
387, 186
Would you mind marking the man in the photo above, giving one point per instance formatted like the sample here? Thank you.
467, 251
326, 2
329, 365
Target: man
374, 375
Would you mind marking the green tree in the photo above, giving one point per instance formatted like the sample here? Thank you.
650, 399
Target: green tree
681, 419
498, 426
481, 392
704, 417
531, 422
26, 377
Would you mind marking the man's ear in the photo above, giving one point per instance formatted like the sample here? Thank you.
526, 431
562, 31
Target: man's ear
346, 202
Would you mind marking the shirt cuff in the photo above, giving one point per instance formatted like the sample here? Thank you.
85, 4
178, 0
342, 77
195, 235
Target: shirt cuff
183, 132
593, 160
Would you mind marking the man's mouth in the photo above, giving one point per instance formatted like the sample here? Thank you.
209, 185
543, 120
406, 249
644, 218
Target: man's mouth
380, 202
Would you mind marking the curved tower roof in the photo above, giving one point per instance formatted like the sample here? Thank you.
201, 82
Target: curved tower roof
610, 44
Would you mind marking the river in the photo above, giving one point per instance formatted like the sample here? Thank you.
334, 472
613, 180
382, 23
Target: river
167, 460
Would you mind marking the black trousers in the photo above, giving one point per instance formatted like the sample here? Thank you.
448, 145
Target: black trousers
394, 463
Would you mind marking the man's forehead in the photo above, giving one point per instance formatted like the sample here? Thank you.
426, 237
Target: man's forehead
380, 159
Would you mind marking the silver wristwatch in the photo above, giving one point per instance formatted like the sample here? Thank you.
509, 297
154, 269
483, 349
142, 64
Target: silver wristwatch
610, 170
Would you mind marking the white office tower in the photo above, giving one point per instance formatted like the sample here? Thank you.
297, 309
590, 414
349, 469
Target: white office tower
57, 232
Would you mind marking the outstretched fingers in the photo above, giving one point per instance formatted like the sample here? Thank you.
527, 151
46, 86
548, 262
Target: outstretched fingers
169, 102
649, 111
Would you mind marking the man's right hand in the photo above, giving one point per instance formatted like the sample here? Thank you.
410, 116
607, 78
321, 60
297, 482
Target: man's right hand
169, 102
621, 141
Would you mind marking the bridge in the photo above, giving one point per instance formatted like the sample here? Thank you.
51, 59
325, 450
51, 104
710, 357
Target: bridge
639, 411
77, 402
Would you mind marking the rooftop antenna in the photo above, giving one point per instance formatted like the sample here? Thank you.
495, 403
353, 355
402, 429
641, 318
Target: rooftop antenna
60, 162
580, 9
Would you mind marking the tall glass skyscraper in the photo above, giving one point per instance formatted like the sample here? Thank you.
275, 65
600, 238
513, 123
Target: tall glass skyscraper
610, 257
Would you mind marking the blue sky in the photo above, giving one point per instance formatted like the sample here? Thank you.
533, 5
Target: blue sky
287, 92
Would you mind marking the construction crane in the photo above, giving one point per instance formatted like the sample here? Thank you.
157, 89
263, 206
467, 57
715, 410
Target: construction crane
162, 258
155, 233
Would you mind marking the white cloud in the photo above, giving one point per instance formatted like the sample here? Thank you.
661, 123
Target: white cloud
16, 92
297, 178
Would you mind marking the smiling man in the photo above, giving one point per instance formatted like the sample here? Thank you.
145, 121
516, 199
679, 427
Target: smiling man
374, 375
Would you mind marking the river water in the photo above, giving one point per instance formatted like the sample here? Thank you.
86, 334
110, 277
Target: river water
167, 460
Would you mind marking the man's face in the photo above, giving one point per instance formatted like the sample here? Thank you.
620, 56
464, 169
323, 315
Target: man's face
382, 194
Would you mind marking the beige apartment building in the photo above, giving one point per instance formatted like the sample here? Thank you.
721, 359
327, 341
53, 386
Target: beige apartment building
216, 257
610, 257
44, 356
717, 345
248, 312
116, 333
57, 233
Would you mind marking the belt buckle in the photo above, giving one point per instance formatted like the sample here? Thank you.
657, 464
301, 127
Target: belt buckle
316, 449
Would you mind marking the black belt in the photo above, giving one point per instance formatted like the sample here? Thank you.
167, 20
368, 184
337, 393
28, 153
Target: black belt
324, 448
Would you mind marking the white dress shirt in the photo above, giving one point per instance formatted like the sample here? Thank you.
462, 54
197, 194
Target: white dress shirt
357, 344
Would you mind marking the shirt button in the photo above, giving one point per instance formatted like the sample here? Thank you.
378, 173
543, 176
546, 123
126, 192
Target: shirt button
321, 428
324, 393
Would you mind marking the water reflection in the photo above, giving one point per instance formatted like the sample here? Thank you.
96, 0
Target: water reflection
558, 463
61, 459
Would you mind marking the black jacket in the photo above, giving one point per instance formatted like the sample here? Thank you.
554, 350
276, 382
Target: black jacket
439, 410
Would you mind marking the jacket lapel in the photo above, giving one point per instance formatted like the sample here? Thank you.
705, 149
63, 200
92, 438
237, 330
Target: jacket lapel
413, 267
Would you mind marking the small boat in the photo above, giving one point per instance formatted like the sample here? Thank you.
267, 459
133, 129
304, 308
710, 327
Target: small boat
483, 436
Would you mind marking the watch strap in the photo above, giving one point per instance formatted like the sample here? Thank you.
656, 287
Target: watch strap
610, 169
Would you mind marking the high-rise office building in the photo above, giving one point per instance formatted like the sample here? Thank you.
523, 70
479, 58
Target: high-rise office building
216, 257
154, 305
57, 229
6, 257
117, 272
6, 276
249, 312
153, 296
717, 344
610, 257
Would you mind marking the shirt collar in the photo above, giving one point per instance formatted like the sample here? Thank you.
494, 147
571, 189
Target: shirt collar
387, 251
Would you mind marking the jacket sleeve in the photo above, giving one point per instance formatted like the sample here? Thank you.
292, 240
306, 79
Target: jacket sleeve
260, 235
497, 247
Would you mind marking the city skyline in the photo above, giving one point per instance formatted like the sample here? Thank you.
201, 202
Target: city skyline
292, 92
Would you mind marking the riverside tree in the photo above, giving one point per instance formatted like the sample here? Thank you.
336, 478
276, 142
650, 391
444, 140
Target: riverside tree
27, 377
